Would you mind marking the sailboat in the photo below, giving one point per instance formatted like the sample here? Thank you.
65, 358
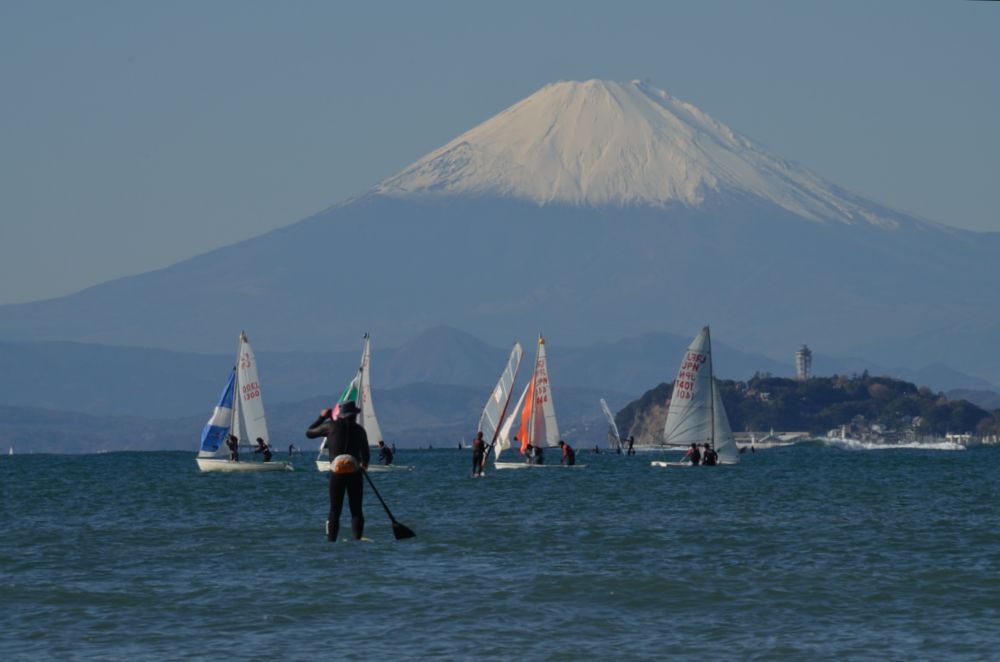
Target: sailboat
696, 414
538, 425
614, 438
241, 398
360, 391
494, 416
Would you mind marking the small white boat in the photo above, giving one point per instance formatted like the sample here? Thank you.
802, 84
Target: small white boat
696, 414
241, 397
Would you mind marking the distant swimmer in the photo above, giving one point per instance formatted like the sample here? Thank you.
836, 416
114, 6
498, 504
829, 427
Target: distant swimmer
478, 454
568, 454
347, 444
709, 457
385, 453
233, 444
693, 454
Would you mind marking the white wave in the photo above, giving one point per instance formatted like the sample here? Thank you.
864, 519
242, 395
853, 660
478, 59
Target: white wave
857, 445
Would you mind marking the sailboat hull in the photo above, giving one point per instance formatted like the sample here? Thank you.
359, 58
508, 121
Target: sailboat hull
525, 465
216, 465
324, 465
660, 463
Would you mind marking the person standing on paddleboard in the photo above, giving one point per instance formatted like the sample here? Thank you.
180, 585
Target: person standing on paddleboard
347, 443
478, 454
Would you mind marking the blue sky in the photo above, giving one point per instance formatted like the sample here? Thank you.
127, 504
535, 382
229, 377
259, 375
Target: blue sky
137, 134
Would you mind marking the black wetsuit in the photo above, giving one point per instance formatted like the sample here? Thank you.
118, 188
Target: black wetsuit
695, 456
233, 446
385, 455
710, 459
478, 455
344, 436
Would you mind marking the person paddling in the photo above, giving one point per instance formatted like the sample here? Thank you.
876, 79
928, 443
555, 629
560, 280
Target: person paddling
347, 443
568, 454
478, 454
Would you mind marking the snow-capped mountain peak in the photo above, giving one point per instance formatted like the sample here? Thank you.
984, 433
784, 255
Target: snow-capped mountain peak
597, 143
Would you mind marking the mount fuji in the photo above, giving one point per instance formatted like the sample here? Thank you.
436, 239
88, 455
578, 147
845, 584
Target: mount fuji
591, 211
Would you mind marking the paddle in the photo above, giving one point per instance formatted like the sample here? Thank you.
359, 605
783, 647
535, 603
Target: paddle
399, 530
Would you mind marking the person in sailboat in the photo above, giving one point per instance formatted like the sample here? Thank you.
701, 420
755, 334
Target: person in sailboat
478, 454
709, 457
631, 443
539, 456
568, 454
529, 453
347, 443
384, 453
693, 454
233, 444
263, 448
291, 449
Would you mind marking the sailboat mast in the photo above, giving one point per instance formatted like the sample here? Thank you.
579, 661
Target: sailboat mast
711, 376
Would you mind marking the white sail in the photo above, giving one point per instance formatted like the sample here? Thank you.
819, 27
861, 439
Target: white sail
544, 428
249, 396
689, 418
614, 438
696, 412
496, 406
725, 442
368, 420
503, 439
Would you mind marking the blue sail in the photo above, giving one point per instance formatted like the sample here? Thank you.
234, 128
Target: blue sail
215, 431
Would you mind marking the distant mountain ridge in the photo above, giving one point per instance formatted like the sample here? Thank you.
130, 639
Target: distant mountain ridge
588, 209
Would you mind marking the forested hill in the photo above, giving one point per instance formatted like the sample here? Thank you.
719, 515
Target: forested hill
818, 405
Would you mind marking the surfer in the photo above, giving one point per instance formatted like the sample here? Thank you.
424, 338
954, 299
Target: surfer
709, 458
233, 444
631, 442
568, 454
263, 448
384, 453
347, 443
693, 454
478, 454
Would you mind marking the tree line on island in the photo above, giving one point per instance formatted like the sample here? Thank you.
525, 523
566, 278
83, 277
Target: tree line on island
820, 404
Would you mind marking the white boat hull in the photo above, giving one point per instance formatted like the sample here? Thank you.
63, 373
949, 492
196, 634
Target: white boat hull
661, 463
324, 465
525, 465
226, 466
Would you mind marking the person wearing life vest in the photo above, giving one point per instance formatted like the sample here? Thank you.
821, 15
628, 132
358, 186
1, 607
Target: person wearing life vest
568, 454
709, 458
478, 454
693, 454
347, 443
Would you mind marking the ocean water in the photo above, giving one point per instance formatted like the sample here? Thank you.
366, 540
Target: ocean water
807, 552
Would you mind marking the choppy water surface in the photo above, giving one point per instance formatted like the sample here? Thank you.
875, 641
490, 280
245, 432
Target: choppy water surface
800, 552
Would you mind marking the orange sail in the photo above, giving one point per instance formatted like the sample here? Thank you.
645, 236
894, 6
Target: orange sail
529, 407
